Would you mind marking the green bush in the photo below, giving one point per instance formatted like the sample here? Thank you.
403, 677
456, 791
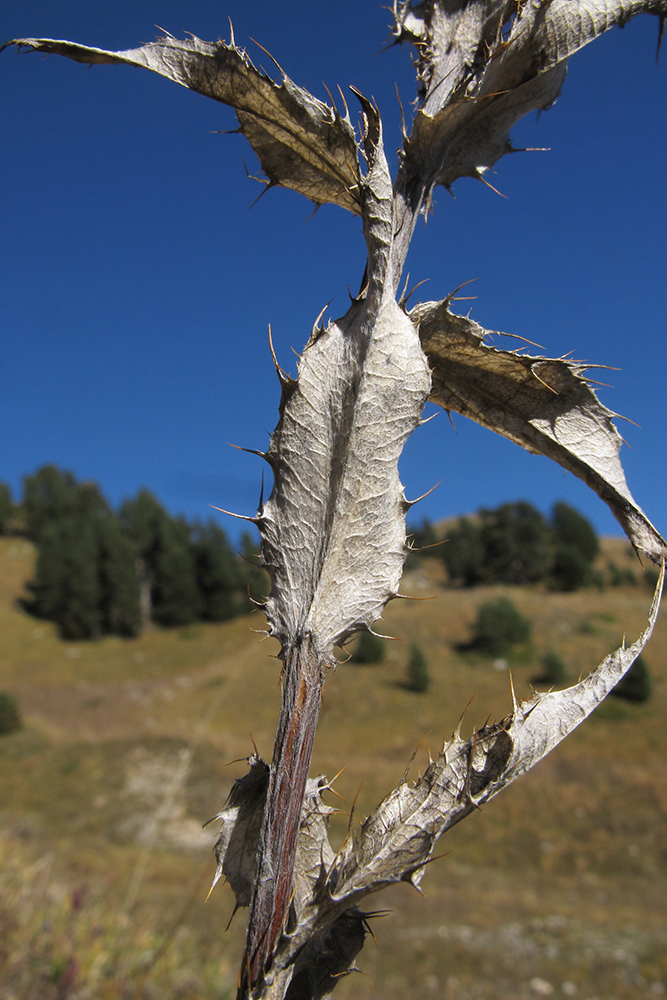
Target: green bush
636, 684
463, 552
621, 577
418, 678
514, 543
499, 626
10, 716
575, 549
6, 508
554, 670
369, 649
517, 544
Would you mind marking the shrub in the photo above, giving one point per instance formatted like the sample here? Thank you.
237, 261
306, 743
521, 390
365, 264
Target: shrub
636, 684
517, 544
418, 678
499, 626
620, 577
463, 553
10, 716
554, 670
576, 546
6, 508
369, 649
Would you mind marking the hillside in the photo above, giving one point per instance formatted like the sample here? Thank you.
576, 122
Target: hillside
558, 887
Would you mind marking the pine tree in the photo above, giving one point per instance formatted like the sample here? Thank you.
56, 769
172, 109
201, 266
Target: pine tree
85, 577
636, 684
48, 495
165, 558
499, 626
10, 715
517, 544
66, 588
463, 552
576, 546
418, 677
6, 508
119, 596
369, 648
219, 579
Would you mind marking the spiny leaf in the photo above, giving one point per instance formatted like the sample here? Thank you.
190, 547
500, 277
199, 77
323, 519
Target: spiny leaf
301, 142
485, 64
545, 405
333, 530
236, 846
397, 840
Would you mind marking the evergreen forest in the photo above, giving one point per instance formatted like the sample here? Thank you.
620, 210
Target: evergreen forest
101, 571
516, 544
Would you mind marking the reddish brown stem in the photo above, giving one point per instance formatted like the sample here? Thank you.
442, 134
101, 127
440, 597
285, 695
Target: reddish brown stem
274, 881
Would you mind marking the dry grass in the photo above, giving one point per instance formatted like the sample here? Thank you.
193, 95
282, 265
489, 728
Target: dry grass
557, 888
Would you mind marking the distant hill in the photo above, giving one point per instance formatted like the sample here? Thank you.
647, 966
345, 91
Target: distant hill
562, 879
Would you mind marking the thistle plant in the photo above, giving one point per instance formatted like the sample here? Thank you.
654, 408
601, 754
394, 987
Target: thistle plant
333, 529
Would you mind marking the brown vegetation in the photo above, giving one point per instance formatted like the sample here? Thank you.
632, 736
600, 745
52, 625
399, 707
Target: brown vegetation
560, 884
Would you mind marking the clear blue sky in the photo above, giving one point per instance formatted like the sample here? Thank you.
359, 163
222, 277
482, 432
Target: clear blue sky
136, 288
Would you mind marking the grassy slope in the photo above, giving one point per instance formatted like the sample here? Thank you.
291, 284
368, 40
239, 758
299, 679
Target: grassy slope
563, 879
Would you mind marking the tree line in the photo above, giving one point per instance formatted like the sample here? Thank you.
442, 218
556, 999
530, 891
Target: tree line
105, 572
516, 544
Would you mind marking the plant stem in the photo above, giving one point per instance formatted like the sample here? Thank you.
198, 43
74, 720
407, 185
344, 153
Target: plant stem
304, 676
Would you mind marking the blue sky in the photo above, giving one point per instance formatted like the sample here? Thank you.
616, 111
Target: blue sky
136, 286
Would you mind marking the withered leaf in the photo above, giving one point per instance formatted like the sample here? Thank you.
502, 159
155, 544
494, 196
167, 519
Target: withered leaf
544, 404
236, 846
397, 840
301, 142
483, 65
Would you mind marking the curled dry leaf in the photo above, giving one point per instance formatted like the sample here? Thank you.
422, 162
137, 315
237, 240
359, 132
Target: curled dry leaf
398, 838
544, 404
236, 846
483, 65
301, 142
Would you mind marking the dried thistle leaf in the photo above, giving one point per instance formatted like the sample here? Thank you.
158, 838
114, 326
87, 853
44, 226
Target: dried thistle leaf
545, 405
314, 856
483, 65
301, 142
333, 529
236, 846
397, 840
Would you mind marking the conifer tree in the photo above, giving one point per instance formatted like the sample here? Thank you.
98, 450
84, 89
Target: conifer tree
165, 561
418, 677
119, 604
636, 684
516, 540
576, 546
47, 496
370, 648
219, 579
6, 508
66, 588
463, 552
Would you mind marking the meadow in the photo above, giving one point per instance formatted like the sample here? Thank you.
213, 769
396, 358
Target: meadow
557, 888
